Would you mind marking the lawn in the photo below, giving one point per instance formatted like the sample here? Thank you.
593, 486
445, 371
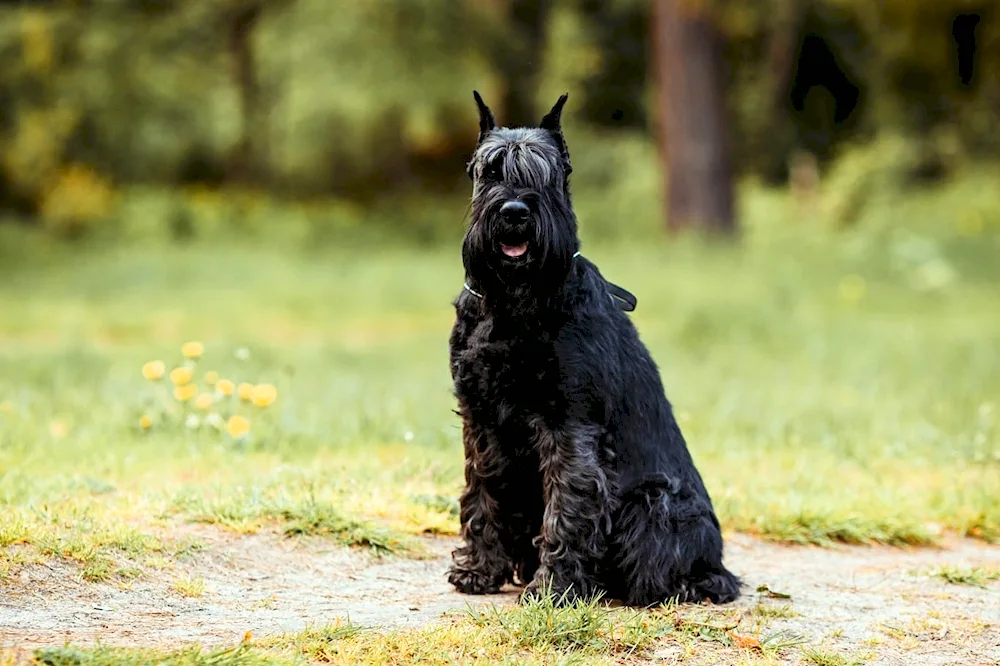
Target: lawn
833, 388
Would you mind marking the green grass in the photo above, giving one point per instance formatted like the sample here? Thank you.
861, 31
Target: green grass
833, 388
824, 658
188, 586
974, 576
538, 632
241, 655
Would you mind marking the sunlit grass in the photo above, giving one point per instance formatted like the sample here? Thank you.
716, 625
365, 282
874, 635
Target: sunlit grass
536, 632
974, 576
828, 392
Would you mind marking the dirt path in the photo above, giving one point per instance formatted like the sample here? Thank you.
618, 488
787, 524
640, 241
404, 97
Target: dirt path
846, 599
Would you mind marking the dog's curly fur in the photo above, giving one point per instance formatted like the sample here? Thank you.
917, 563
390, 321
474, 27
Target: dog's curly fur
578, 479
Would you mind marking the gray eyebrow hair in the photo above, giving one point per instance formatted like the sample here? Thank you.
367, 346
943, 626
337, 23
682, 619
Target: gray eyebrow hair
527, 156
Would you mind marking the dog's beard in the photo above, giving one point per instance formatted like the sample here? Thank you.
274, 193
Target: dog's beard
537, 253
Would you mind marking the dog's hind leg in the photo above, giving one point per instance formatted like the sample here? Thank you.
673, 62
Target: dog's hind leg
667, 545
481, 565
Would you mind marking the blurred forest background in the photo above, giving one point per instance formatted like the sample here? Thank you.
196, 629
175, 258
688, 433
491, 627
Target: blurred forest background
312, 120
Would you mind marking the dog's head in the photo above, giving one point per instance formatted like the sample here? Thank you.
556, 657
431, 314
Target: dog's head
523, 229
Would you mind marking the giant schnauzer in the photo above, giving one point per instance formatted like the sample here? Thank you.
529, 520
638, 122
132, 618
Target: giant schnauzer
578, 480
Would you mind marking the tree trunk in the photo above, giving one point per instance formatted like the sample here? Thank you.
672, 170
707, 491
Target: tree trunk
520, 61
245, 162
694, 127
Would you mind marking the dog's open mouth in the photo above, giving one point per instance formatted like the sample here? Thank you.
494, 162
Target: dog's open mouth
514, 250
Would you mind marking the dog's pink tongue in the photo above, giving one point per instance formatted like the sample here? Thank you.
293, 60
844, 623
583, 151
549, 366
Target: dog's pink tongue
514, 250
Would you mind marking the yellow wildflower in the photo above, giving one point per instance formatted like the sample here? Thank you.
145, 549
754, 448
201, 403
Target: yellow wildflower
58, 429
237, 426
211, 377
204, 401
153, 370
181, 376
264, 394
193, 349
224, 386
245, 391
145, 422
185, 392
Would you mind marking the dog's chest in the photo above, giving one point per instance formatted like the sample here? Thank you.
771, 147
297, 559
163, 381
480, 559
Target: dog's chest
502, 376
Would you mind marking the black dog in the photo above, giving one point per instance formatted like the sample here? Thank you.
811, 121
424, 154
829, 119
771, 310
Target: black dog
578, 479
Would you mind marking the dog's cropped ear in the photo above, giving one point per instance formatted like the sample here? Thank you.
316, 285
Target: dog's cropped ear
553, 119
553, 123
487, 122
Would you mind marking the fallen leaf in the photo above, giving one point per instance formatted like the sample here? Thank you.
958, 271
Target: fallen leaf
764, 589
746, 642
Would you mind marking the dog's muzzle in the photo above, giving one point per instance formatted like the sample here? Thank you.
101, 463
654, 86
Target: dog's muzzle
514, 239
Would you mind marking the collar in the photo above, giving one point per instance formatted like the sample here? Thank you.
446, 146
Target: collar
622, 298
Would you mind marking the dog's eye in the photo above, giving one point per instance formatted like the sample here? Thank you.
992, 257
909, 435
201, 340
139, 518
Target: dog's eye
493, 171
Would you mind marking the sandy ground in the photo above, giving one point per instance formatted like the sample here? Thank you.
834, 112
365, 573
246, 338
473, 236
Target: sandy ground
847, 599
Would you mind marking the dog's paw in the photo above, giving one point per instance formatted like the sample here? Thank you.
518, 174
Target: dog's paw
473, 582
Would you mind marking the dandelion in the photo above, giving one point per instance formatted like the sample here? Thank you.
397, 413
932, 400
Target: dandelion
193, 349
245, 391
58, 429
153, 370
264, 394
242, 353
408, 436
224, 387
185, 392
192, 421
204, 401
215, 421
211, 377
145, 422
181, 376
238, 426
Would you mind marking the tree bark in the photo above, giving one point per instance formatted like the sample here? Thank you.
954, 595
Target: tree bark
245, 162
696, 148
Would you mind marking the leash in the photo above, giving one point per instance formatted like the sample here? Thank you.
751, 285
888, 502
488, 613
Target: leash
621, 297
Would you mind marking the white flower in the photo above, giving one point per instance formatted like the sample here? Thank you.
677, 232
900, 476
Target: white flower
242, 353
192, 421
214, 420
408, 436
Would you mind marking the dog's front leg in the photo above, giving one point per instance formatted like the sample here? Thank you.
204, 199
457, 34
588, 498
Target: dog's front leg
480, 565
578, 506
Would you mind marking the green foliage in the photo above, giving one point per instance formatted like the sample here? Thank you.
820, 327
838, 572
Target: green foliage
370, 102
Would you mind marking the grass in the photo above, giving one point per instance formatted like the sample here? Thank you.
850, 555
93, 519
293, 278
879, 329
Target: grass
974, 576
585, 632
193, 656
189, 586
823, 658
832, 387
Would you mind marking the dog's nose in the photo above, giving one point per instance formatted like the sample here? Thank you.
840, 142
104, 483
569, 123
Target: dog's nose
515, 210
